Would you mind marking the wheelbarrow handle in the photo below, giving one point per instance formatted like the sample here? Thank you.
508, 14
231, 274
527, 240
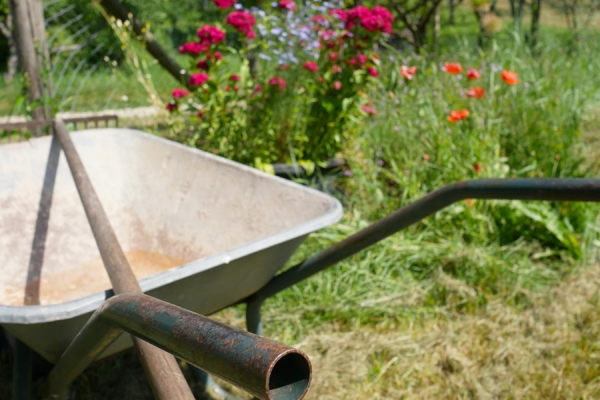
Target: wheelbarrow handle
546, 189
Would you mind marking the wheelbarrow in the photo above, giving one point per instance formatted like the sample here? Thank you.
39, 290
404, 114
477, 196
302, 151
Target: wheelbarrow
205, 233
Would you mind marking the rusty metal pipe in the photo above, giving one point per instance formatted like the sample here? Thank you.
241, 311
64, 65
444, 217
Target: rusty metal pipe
264, 368
546, 189
163, 372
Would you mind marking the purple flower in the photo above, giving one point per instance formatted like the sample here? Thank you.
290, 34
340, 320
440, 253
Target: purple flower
526, 85
378, 154
347, 172
396, 128
380, 162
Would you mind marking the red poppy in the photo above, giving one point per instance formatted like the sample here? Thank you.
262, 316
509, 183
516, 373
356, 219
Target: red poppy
477, 167
476, 92
408, 72
458, 115
473, 74
510, 77
453, 68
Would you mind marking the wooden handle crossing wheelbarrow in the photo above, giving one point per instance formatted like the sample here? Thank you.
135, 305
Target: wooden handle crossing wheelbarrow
263, 367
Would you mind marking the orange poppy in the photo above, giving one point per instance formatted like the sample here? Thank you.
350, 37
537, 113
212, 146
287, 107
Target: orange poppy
453, 68
476, 92
458, 115
472, 73
470, 202
408, 72
510, 77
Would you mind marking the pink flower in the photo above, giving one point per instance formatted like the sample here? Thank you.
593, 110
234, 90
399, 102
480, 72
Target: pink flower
235, 78
198, 79
242, 21
373, 72
217, 56
362, 59
192, 48
340, 14
368, 110
200, 114
288, 5
337, 85
258, 88
277, 81
179, 93
337, 69
203, 64
210, 34
171, 107
319, 19
224, 3
379, 19
333, 56
311, 66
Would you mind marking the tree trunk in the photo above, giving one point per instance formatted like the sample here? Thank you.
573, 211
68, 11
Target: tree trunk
28, 38
13, 60
452, 4
436, 30
536, 12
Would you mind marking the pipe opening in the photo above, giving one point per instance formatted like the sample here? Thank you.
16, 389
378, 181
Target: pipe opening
290, 377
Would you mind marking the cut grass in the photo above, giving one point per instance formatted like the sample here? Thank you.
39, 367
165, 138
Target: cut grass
545, 351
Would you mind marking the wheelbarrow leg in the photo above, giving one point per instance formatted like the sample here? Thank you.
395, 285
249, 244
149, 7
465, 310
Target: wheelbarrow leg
253, 321
22, 371
212, 390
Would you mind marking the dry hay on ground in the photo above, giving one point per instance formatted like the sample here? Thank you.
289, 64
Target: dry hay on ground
548, 350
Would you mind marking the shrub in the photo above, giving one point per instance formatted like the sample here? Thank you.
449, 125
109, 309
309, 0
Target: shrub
304, 107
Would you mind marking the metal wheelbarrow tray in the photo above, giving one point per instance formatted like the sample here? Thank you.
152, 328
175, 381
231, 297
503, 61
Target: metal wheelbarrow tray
200, 232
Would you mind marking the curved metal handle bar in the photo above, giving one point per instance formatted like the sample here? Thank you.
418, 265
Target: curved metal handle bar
265, 368
496, 189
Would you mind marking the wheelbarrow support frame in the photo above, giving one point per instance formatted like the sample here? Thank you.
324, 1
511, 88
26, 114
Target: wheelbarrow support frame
546, 189
262, 367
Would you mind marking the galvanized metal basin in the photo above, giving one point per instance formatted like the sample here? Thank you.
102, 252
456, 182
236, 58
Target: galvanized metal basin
200, 231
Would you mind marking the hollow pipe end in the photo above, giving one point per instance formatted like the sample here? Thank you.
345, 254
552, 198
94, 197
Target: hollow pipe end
289, 376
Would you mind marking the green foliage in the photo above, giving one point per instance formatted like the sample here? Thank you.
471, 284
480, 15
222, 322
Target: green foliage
303, 108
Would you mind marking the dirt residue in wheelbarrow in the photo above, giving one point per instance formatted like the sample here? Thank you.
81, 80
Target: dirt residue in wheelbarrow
84, 280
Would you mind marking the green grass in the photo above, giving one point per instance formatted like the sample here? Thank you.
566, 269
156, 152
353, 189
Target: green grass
469, 279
